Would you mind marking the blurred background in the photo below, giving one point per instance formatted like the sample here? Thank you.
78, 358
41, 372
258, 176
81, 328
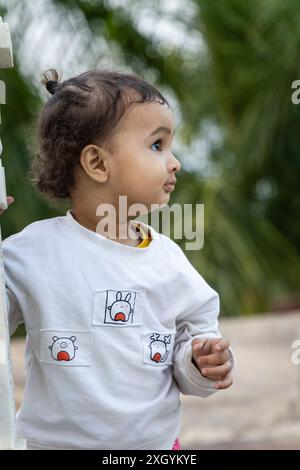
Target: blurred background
227, 68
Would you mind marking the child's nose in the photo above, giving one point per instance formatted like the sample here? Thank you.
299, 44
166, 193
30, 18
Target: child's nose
174, 165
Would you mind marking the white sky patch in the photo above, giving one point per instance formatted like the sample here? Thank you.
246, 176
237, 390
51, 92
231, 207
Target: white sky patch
168, 23
195, 157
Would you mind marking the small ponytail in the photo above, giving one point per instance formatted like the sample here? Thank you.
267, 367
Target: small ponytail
50, 79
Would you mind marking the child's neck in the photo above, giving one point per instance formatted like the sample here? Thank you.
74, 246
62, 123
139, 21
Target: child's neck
84, 220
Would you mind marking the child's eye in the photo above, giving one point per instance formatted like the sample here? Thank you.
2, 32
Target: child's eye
158, 141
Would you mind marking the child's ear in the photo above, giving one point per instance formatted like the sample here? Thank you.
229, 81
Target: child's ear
93, 161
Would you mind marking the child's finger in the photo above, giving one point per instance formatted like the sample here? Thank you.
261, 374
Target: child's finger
9, 200
221, 345
218, 372
200, 347
225, 383
198, 344
214, 359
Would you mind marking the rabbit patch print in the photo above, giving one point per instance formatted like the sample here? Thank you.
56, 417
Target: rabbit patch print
120, 310
157, 348
118, 307
63, 349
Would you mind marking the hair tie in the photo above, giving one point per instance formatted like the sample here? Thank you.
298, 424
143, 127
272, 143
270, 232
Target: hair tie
51, 85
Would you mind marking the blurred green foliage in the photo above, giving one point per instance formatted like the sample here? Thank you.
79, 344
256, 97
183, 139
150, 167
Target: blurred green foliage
240, 83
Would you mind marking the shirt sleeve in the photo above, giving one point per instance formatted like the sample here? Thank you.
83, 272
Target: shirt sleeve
199, 319
11, 274
14, 313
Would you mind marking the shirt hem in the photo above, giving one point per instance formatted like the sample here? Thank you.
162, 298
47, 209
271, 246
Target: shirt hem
159, 443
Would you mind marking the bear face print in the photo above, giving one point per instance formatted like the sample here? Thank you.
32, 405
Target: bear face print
120, 310
159, 347
63, 349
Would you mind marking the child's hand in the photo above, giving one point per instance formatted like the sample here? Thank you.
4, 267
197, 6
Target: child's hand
10, 200
212, 359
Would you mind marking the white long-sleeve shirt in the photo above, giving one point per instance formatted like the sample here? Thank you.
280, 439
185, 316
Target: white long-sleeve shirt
109, 331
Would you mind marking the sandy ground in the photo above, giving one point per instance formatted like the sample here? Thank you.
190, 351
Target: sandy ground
262, 408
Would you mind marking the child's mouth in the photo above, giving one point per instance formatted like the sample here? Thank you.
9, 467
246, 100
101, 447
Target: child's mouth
169, 187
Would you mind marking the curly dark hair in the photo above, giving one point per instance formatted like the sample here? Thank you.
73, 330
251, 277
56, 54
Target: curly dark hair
82, 110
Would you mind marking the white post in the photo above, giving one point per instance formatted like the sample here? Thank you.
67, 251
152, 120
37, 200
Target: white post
8, 434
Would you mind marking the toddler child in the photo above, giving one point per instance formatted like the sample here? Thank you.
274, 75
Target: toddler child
116, 326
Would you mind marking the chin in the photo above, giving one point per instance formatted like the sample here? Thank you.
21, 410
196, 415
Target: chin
164, 200
158, 201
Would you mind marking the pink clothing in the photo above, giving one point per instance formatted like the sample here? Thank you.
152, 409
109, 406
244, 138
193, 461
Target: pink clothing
176, 445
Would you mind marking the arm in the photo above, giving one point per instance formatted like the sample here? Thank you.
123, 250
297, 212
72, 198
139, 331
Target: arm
13, 309
198, 320
14, 313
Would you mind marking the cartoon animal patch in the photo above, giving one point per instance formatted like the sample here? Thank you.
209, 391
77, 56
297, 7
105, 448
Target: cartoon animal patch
121, 309
159, 347
63, 348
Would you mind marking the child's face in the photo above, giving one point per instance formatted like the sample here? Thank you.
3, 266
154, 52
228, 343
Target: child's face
143, 163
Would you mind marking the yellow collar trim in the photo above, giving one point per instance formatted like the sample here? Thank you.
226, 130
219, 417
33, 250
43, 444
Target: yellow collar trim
146, 238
